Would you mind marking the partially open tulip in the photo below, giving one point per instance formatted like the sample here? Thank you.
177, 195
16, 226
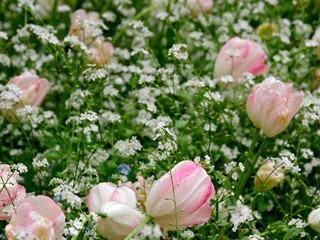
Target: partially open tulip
239, 56
10, 191
314, 219
181, 198
200, 6
33, 88
119, 204
101, 52
36, 217
83, 24
272, 104
268, 176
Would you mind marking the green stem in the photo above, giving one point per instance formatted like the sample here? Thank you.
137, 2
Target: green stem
136, 17
101, 214
250, 162
145, 221
54, 8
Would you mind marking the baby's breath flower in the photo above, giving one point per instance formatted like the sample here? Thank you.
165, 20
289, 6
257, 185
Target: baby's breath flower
128, 147
179, 51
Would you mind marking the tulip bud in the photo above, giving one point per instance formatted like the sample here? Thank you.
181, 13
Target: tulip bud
29, 90
266, 30
82, 25
181, 198
316, 37
119, 204
10, 191
37, 217
268, 176
200, 6
239, 56
314, 219
101, 52
33, 88
272, 104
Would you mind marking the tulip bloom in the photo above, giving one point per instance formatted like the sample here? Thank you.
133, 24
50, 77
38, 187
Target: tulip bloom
272, 104
36, 217
10, 191
119, 204
181, 199
82, 25
239, 56
33, 88
314, 219
101, 52
200, 6
268, 176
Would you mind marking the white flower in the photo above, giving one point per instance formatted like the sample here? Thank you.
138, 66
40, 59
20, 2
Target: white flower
178, 51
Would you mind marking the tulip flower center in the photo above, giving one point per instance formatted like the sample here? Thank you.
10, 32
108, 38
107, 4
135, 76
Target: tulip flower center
283, 116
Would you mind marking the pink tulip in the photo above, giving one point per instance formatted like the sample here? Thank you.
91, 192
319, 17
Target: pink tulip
272, 104
10, 191
200, 6
239, 56
101, 52
119, 204
190, 187
33, 88
36, 217
82, 25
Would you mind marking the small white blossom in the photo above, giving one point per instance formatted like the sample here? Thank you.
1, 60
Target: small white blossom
179, 51
128, 147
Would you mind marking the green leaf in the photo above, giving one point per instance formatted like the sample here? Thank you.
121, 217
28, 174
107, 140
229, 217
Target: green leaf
293, 232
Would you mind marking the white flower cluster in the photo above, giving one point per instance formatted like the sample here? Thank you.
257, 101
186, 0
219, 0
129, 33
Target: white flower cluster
40, 161
77, 98
240, 213
111, 117
9, 96
32, 116
128, 147
44, 34
66, 191
92, 74
98, 157
179, 51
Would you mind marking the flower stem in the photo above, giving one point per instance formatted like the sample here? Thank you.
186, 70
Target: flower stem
145, 221
250, 162
101, 214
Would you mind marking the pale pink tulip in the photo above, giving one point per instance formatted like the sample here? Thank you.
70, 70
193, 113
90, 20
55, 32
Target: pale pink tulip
272, 104
239, 56
200, 6
36, 217
120, 221
10, 191
83, 24
184, 194
268, 176
119, 204
33, 88
101, 52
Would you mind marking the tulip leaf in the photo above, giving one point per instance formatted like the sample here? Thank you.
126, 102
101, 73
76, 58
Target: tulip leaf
292, 233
